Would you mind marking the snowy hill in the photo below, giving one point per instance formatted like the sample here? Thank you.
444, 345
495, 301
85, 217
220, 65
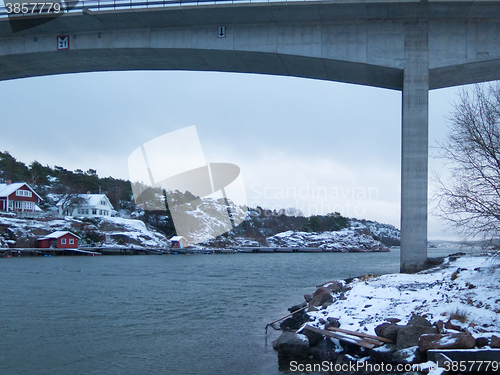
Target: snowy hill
388, 234
21, 233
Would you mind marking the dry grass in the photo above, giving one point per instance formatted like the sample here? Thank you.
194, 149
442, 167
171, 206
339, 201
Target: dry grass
460, 315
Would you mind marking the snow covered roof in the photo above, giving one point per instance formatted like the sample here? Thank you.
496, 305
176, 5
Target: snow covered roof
177, 238
8, 189
93, 200
58, 234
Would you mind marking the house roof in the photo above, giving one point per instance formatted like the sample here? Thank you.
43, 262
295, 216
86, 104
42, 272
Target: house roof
93, 200
6, 190
177, 238
58, 234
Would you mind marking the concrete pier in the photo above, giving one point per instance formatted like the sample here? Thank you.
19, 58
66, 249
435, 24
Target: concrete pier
414, 148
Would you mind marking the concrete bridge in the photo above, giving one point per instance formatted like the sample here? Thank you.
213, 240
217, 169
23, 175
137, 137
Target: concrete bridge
412, 46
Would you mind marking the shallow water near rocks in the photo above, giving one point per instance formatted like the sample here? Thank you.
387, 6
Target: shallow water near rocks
200, 314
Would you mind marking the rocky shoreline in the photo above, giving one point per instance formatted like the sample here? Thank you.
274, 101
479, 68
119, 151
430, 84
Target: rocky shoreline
398, 323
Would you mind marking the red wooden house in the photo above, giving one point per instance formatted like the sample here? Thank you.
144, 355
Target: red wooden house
178, 242
18, 197
59, 240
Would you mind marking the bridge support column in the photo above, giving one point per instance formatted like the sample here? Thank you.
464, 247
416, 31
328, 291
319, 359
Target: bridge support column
414, 163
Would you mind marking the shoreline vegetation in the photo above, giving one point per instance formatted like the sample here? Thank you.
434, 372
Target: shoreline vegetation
450, 312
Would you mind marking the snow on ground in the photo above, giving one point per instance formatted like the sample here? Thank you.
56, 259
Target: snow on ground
378, 229
133, 229
469, 286
345, 240
130, 230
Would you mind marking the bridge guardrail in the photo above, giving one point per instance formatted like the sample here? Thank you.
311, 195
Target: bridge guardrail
27, 8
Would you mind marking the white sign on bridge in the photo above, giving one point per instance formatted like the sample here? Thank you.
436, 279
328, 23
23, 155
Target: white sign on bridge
63, 42
221, 32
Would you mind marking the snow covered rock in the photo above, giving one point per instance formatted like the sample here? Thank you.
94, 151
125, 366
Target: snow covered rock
321, 296
383, 354
409, 335
462, 340
407, 356
340, 241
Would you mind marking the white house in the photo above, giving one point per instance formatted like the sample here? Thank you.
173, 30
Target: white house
93, 205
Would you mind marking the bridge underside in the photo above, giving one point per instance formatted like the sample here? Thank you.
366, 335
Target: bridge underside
77, 61
125, 59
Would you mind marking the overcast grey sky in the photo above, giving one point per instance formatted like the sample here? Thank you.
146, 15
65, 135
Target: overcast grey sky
315, 145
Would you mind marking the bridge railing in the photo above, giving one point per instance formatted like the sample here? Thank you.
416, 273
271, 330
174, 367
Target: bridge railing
34, 8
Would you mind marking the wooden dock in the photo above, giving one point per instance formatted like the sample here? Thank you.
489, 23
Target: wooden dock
102, 250
46, 252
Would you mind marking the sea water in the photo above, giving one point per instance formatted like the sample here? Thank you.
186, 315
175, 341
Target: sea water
179, 314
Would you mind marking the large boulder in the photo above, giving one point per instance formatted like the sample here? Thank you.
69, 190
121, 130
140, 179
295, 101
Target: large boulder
408, 336
418, 320
295, 321
326, 351
314, 338
388, 330
462, 340
482, 342
292, 345
337, 286
320, 296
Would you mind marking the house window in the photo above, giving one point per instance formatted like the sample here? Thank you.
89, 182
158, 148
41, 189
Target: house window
24, 193
94, 211
103, 203
28, 205
17, 204
71, 241
63, 241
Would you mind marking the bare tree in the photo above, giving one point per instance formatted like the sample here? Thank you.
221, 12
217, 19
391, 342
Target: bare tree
470, 199
293, 211
71, 201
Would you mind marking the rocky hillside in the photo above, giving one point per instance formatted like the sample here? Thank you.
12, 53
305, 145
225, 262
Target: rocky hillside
345, 240
388, 234
106, 231
270, 228
202, 218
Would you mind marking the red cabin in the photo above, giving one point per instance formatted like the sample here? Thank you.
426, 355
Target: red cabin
59, 240
18, 197
178, 242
